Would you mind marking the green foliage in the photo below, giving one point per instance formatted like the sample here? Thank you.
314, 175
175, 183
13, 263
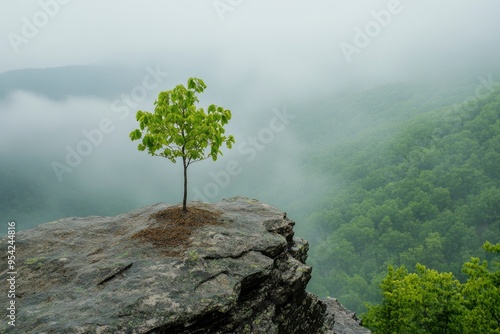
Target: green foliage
178, 129
429, 195
482, 294
423, 302
432, 302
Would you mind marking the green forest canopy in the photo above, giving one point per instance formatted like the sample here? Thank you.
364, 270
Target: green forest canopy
430, 195
432, 302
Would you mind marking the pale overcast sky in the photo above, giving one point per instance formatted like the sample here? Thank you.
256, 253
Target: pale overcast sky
281, 41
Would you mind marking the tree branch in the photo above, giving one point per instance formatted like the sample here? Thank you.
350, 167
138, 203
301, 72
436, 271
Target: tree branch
201, 159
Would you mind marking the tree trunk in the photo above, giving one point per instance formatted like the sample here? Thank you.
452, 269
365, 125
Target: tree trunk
184, 199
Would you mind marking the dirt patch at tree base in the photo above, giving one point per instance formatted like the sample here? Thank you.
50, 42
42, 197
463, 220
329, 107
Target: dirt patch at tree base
174, 226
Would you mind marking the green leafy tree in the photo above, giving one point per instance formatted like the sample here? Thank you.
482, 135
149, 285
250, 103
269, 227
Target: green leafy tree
423, 302
482, 294
432, 302
178, 129
386, 318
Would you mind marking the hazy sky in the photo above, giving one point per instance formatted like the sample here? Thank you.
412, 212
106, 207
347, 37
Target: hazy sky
282, 41
254, 55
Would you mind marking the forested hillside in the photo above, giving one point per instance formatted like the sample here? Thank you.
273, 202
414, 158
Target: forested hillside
33, 195
428, 195
389, 175
429, 301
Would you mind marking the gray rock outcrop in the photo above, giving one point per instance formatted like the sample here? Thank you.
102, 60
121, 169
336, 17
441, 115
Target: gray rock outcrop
246, 273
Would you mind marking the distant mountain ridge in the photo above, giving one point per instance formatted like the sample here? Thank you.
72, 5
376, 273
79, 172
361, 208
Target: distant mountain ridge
76, 80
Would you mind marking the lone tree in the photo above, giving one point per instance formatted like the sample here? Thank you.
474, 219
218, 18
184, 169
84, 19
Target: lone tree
178, 129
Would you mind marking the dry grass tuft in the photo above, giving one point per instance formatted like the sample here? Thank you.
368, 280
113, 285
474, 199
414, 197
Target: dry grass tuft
173, 228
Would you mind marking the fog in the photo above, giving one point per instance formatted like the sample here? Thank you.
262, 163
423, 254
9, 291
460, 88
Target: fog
258, 59
293, 43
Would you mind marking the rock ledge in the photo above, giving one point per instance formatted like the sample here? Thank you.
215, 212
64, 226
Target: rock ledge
244, 275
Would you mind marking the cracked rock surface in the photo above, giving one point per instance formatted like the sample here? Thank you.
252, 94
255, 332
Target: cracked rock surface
244, 275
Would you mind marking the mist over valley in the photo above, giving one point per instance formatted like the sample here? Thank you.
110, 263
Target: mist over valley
374, 125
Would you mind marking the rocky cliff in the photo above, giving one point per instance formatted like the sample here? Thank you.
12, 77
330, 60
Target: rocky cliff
229, 267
